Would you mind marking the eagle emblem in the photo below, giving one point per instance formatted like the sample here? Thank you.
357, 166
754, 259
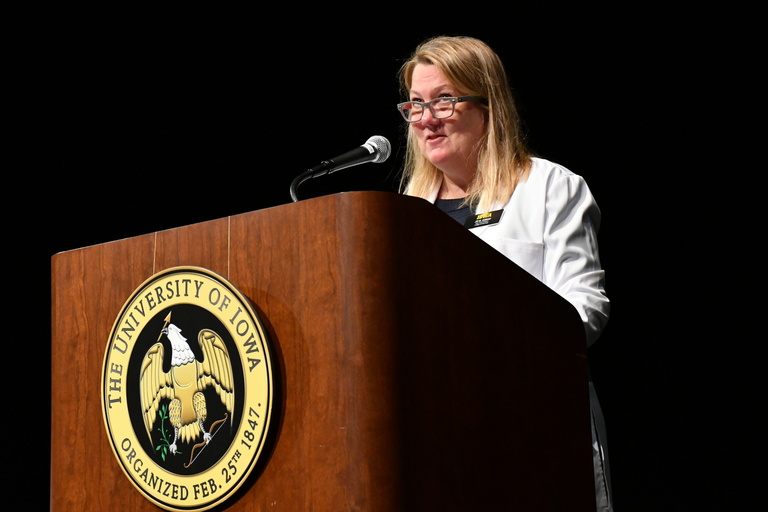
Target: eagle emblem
184, 385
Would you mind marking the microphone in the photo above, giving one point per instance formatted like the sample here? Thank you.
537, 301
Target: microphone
376, 149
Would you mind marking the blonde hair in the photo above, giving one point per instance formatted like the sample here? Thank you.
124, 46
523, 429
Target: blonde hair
503, 159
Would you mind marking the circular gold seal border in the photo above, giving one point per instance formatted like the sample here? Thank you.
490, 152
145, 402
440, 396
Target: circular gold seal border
206, 289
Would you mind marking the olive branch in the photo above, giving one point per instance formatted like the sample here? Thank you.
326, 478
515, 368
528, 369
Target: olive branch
165, 442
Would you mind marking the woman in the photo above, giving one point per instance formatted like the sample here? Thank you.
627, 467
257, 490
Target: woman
466, 155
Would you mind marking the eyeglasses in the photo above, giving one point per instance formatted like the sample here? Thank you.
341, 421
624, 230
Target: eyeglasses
441, 108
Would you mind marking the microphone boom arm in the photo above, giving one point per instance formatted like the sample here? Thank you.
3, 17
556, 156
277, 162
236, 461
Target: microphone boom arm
301, 178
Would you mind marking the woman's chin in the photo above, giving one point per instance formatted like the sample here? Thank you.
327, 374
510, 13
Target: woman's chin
438, 158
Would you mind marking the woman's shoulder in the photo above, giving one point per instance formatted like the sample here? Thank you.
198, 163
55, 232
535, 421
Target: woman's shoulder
543, 167
550, 174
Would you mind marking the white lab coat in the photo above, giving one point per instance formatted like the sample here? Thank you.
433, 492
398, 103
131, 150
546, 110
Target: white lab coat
549, 228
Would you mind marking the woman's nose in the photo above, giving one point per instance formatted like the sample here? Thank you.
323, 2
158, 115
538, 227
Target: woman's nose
427, 117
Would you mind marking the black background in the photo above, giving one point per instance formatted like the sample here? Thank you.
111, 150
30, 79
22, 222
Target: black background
136, 119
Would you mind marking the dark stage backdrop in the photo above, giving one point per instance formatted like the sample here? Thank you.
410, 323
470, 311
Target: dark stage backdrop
133, 120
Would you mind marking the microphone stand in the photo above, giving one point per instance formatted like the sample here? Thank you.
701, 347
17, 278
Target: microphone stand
306, 175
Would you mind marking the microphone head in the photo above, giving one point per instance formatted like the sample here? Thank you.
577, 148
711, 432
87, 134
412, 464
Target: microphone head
381, 148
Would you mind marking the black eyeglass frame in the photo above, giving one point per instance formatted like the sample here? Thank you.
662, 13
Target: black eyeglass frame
428, 105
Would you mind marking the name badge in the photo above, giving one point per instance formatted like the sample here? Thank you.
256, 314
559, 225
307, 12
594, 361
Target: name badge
483, 219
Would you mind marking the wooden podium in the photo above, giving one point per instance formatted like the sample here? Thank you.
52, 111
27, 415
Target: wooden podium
419, 369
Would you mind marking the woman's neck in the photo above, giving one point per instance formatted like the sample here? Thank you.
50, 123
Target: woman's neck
452, 189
